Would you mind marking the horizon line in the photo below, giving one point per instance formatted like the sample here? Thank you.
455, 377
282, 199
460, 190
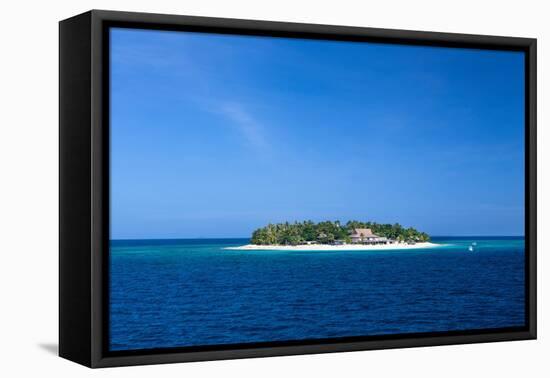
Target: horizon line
248, 237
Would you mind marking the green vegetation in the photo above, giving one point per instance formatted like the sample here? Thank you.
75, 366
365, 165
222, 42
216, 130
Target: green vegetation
327, 232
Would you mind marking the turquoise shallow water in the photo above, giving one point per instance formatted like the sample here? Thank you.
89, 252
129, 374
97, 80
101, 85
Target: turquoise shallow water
178, 293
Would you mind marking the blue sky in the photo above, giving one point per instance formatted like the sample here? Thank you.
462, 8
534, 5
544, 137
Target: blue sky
216, 135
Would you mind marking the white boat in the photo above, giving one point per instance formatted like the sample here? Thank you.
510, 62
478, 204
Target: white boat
471, 248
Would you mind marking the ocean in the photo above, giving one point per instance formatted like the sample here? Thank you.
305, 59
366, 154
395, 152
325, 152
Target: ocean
193, 292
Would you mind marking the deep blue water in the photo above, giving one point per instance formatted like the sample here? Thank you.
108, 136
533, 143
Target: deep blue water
177, 293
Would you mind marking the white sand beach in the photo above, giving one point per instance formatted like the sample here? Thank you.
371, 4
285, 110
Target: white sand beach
327, 247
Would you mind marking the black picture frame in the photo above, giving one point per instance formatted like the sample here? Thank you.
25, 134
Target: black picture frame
84, 186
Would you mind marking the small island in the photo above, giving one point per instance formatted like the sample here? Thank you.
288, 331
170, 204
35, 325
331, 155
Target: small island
328, 235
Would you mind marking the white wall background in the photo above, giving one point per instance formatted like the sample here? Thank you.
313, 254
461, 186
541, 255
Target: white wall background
29, 186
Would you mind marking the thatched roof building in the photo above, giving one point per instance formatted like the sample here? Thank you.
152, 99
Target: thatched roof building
365, 235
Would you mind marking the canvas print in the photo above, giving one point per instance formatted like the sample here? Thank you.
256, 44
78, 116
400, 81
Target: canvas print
273, 190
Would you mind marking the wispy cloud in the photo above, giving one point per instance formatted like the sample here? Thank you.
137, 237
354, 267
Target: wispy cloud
246, 124
170, 57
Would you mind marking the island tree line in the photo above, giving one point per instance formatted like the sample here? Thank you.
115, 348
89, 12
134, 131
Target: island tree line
328, 232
